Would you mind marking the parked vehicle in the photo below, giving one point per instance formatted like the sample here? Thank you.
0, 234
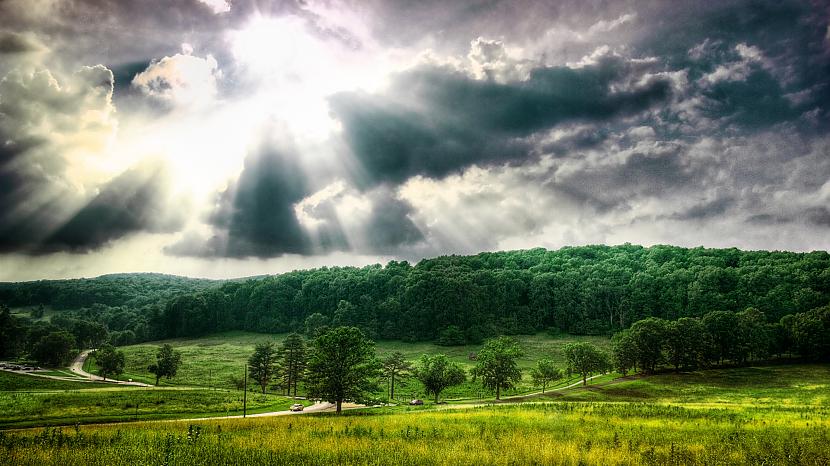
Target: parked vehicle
416, 402
297, 407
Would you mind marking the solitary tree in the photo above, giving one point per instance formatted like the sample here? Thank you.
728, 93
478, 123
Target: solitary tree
437, 373
263, 364
395, 366
544, 373
109, 360
342, 366
167, 363
584, 358
293, 355
497, 364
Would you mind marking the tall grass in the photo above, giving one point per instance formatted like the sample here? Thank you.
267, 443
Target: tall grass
550, 433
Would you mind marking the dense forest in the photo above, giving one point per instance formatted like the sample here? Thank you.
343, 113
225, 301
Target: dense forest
451, 299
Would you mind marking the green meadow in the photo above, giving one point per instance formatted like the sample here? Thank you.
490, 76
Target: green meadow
709, 417
764, 414
214, 360
32, 401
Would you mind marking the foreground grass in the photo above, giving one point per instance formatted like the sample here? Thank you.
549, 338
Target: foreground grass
211, 361
549, 433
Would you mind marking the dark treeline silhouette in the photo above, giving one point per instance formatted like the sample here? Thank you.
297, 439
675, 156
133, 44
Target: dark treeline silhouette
595, 290
720, 337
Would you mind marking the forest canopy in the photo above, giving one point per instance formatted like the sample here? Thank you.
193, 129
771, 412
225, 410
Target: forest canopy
579, 290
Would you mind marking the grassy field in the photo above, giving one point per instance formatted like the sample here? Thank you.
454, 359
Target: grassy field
15, 382
720, 426
786, 385
31, 401
212, 360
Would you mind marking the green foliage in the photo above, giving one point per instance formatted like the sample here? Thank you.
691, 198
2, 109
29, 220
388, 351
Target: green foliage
110, 361
342, 366
316, 324
544, 373
11, 333
451, 336
811, 333
54, 349
395, 366
623, 352
263, 364
593, 290
649, 337
167, 363
436, 373
497, 366
293, 357
584, 359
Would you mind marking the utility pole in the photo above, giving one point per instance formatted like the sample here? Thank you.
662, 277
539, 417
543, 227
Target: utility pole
245, 394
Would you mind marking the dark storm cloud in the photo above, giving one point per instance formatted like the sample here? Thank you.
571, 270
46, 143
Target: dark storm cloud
450, 121
133, 202
256, 216
706, 210
14, 43
389, 226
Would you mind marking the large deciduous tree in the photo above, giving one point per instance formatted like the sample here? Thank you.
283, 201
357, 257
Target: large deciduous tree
167, 363
544, 373
497, 365
584, 359
110, 361
54, 349
436, 373
342, 366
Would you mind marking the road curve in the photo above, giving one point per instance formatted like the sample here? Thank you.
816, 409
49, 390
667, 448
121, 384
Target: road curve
77, 367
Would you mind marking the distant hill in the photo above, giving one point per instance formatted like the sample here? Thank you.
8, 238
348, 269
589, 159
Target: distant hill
123, 289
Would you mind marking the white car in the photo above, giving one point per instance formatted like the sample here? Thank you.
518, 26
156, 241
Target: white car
297, 407
416, 402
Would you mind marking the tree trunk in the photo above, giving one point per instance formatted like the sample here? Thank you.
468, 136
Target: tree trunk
436, 397
157, 379
392, 388
339, 404
584, 379
498, 391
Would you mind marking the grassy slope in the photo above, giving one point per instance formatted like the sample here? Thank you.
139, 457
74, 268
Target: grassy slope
211, 360
797, 385
721, 428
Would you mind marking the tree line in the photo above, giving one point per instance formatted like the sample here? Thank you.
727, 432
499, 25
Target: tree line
720, 337
452, 300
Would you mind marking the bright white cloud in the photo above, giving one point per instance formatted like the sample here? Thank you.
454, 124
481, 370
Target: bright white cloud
218, 6
182, 79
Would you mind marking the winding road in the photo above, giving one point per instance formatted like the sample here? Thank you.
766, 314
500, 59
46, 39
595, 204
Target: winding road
77, 367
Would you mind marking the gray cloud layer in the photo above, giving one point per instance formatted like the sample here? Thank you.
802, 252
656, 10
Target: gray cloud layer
642, 117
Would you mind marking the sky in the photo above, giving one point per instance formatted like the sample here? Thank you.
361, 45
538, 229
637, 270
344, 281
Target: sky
227, 138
